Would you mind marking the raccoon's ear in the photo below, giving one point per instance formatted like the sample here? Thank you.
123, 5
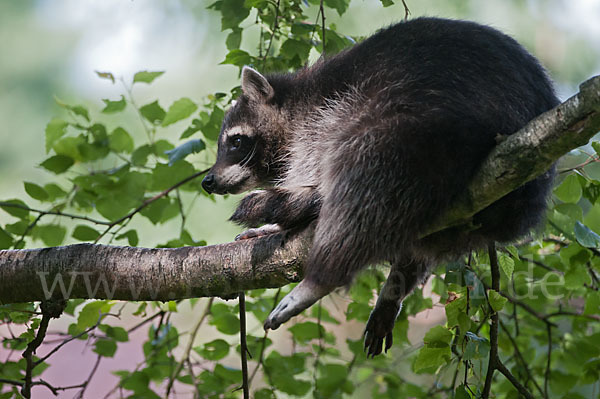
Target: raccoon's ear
256, 86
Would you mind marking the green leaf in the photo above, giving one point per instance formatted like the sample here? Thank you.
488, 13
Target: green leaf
592, 191
237, 57
193, 128
507, 264
387, 3
596, 147
146, 76
295, 48
431, 358
496, 300
58, 164
76, 109
223, 319
577, 277
106, 75
156, 210
339, 5
454, 309
120, 140
233, 12
461, 392
214, 350
114, 106
153, 112
438, 335
179, 110
21, 211
569, 190
90, 313
592, 303
304, 332
132, 237
514, 252
586, 237
117, 333
54, 191
140, 155
55, 129
105, 347
165, 176
6, 240
234, 39
85, 233
113, 208
185, 149
70, 147
51, 234
212, 128
35, 191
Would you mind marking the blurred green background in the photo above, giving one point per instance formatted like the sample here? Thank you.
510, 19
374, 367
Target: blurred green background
52, 48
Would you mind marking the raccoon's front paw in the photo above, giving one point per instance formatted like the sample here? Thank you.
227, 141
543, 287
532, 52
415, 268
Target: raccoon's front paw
265, 230
251, 210
379, 328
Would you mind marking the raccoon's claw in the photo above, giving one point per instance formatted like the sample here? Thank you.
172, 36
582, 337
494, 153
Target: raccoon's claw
379, 328
265, 230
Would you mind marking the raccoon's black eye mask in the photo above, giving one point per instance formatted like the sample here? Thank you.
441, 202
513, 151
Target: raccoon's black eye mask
239, 148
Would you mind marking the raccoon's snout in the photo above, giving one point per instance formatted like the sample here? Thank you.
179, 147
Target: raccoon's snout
209, 183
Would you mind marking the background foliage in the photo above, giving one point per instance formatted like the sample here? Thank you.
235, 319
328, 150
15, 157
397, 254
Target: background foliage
113, 168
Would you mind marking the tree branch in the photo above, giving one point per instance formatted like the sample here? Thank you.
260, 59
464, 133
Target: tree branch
101, 271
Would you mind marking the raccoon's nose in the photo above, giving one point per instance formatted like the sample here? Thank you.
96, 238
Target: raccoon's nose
208, 183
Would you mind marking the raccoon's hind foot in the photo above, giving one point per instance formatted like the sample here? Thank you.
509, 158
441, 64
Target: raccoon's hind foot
301, 297
265, 230
379, 328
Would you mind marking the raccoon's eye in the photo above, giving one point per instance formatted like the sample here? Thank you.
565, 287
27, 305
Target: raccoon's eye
236, 142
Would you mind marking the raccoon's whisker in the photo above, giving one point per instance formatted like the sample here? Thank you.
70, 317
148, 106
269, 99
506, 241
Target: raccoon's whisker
250, 155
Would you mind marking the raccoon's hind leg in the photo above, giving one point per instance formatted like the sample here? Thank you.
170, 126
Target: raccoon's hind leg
404, 276
286, 207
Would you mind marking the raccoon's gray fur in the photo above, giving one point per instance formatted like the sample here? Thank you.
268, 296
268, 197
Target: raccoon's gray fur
374, 144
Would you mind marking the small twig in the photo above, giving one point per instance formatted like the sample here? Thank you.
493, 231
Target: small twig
50, 309
66, 341
574, 314
519, 355
493, 356
89, 378
406, 10
264, 340
149, 201
522, 390
322, 11
244, 346
189, 346
145, 321
56, 213
139, 113
273, 31
547, 373
494, 360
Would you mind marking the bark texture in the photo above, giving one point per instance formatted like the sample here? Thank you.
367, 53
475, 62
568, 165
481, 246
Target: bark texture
101, 271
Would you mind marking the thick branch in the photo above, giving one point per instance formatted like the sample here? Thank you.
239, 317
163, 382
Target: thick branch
100, 271
127, 273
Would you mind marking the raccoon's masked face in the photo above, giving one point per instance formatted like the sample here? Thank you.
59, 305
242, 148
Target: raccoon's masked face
240, 164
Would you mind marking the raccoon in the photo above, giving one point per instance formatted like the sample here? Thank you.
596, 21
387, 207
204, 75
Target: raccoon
375, 143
